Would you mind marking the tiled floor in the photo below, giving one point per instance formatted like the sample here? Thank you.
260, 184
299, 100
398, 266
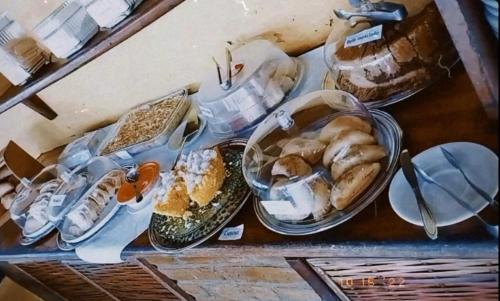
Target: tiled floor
10, 291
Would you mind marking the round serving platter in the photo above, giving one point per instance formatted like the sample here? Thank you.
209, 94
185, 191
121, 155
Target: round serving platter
173, 235
329, 84
390, 133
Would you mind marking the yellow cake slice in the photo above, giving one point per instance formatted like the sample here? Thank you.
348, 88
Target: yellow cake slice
172, 198
203, 172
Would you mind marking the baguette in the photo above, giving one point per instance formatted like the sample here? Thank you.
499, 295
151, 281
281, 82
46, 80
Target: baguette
352, 184
356, 155
343, 141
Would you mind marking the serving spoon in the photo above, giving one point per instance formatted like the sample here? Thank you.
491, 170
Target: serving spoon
132, 177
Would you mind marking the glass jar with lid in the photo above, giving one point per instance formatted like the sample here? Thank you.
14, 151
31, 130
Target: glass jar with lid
387, 56
261, 76
20, 56
318, 160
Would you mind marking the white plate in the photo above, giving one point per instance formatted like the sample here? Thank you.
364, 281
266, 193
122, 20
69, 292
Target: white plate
478, 162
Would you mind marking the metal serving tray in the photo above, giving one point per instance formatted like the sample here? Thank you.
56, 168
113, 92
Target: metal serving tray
169, 126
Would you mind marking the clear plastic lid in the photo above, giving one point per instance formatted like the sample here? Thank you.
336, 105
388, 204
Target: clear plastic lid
386, 63
81, 150
97, 205
75, 183
29, 209
262, 75
317, 159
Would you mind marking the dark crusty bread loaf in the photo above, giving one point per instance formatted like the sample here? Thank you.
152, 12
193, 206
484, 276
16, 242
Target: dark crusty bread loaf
406, 58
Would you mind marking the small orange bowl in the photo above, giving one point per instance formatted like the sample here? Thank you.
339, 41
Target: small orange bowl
148, 176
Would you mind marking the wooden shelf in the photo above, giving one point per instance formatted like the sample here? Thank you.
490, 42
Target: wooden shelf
145, 14
477, 46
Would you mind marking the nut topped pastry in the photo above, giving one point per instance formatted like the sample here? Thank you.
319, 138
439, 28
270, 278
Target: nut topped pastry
147, 122
172, 199
203, 172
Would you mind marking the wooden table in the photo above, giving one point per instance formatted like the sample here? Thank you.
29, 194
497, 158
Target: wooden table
334, 264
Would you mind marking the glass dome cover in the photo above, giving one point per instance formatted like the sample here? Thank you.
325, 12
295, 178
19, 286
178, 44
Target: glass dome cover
301, 171
407, 57
261, 76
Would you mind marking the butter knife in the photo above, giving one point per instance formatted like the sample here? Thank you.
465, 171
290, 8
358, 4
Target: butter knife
428, 220
454, 162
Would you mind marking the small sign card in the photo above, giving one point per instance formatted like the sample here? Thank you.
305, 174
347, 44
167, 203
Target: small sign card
364, 36
232, 233
279, 208
57, 200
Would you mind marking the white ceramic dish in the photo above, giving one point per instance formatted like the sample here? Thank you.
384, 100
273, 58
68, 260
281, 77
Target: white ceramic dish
478, 162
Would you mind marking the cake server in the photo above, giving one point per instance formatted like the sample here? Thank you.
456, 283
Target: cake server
428, 220
378, 12
492, 229
454, 162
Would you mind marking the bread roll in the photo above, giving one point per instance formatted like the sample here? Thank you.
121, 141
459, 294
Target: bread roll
321, 195
356, 155
341, 124
291, 166
343, 141
352, 184
172, 198
309, 149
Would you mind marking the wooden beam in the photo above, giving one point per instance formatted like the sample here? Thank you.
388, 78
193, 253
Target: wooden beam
38, 105
310, 276
166, 282
477, 46
33, 285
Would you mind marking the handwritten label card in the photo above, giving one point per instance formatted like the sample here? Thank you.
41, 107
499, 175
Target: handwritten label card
232, 233
364, 36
